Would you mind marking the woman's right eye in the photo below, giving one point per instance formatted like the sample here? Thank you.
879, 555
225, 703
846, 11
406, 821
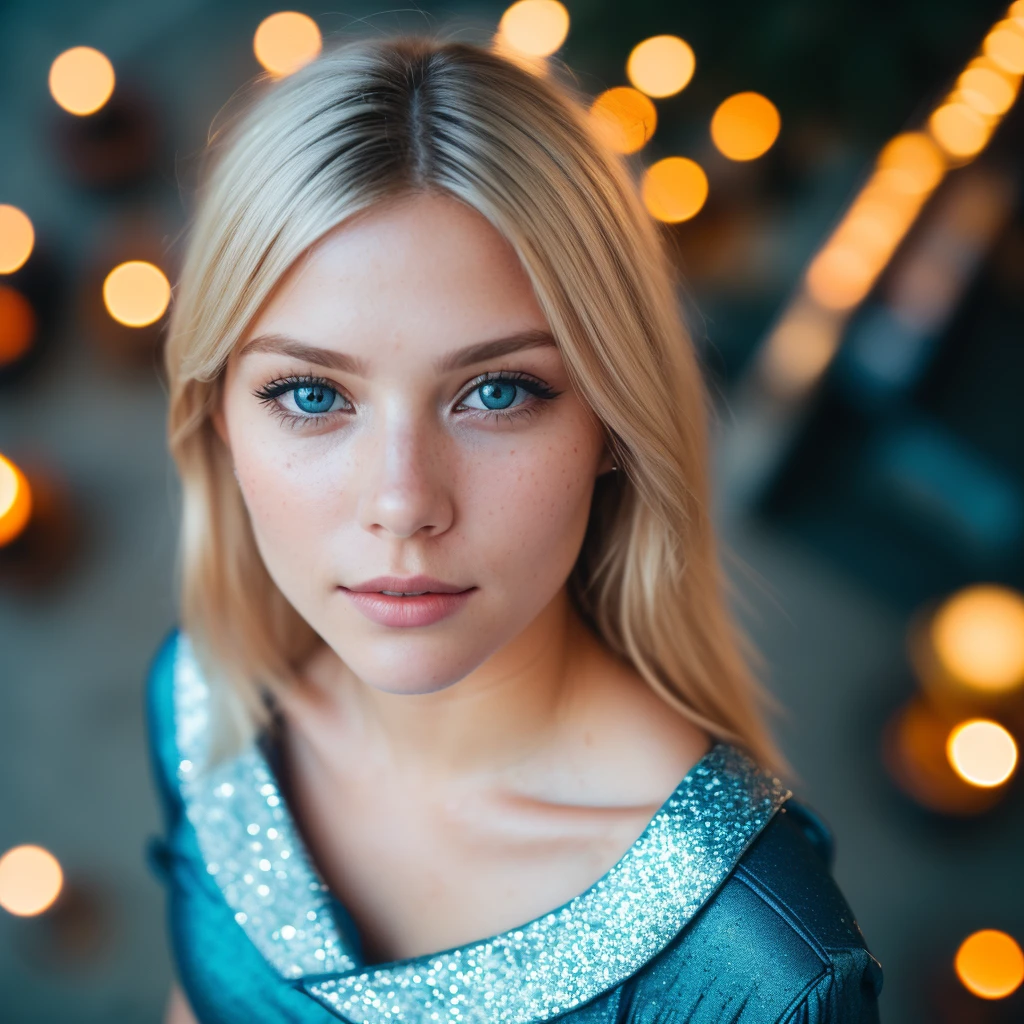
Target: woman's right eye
300, 400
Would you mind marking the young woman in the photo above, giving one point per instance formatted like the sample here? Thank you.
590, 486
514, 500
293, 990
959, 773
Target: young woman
455, 726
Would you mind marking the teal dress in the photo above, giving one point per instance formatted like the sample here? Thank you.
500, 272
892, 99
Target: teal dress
724, 909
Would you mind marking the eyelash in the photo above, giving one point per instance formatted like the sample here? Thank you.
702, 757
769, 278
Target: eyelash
271, 391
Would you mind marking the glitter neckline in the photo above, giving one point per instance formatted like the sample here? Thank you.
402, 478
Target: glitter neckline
530, 973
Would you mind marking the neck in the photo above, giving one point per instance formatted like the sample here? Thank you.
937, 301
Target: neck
493, 719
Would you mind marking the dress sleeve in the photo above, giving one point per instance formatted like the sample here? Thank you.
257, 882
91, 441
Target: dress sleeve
847, 992
163, 755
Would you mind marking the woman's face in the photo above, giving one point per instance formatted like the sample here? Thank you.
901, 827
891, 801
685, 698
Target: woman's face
399, 409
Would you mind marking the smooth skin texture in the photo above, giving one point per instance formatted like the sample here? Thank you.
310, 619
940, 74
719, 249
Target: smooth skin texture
454, 780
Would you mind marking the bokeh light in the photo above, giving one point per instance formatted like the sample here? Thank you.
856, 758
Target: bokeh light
17, 325
745, 126
986, 88
982, 752
136, 293
15, 501
959, 129
535, 27
30, 880
978, 637
81, 80
1005, 46
286, 41
17, 238
624, 118
990, 964
674, 189
661, 66
911, 163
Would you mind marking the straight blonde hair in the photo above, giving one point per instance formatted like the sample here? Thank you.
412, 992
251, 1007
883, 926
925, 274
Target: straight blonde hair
377, 119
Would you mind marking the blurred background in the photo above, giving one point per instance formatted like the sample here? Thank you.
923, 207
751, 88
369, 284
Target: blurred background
840, 184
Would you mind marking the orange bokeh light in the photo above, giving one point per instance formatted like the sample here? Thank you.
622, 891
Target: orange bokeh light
286, 41
978, 637
624, 118
30, 880
982, 752
15, 501
990, 964
959, 129
661, 66
534, 27
17, 325
1005, 46
81, 80
911, 163
745, 126
674, 189
17, 238
136, 293
987, 88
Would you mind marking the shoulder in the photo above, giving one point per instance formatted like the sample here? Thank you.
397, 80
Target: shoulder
777, 942
161, 716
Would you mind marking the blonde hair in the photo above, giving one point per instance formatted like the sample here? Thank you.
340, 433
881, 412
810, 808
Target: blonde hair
376, 119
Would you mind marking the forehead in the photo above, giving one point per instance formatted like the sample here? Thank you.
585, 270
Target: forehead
427, 267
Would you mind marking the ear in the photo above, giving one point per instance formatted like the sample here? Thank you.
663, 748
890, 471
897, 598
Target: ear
607, 463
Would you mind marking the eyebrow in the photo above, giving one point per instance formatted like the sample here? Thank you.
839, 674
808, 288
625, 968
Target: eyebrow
463, 357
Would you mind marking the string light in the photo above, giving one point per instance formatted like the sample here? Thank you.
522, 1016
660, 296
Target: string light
17, 238
136, 293
15, 501
286, 41
661, 66
81, 80
978, 638
17, 325
745, 126
30, 880
624, 118
990, 964
982, 752
674, 189
536, 28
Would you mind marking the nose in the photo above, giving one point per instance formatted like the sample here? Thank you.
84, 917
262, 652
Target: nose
404, 479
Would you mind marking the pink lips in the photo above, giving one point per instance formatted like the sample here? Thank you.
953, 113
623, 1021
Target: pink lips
443, 599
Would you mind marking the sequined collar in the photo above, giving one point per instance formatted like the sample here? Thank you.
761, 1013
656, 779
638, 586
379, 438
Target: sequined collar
545, 967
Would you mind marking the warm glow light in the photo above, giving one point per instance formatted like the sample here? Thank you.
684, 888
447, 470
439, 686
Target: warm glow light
136, 293
17, 325
674, 189
990, 964
745, 126
81, 80
286, 41
840, 276
978, 636
800, 348
624, 118
30, 880
1005, 46
535, 27
985, 88
17, 238
661, 66
911, 163
959, 129
15, 501
982, 752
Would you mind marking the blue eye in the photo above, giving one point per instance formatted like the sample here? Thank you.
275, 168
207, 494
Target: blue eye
314, 398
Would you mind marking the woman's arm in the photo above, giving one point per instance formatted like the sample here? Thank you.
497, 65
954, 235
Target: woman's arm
178, 1010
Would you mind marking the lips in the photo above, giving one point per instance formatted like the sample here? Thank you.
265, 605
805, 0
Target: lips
407, 585
419, 610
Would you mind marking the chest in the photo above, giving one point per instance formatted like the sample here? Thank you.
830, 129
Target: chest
424, 866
